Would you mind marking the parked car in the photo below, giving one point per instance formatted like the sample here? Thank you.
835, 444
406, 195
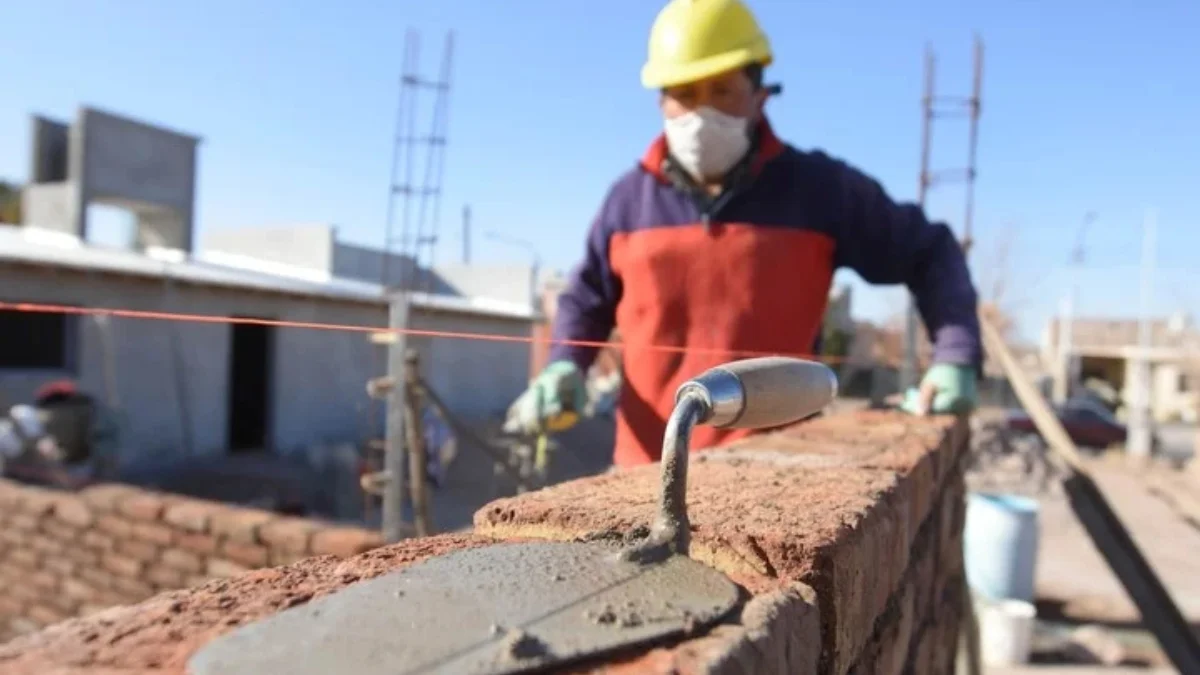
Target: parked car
1089, 424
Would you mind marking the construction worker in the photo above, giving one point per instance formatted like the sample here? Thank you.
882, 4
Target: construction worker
85, 431
723, 241
23, 438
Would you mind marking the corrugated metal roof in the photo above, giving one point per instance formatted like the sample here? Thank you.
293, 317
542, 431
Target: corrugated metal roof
47, 248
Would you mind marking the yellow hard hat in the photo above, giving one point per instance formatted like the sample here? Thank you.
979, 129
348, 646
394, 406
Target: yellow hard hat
695, 39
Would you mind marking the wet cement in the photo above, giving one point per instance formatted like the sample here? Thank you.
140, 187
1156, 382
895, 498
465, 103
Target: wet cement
508, 608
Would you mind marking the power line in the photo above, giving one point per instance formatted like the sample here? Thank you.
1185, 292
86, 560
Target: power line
184, 317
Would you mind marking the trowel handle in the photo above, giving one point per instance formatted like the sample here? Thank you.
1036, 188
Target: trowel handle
763, 392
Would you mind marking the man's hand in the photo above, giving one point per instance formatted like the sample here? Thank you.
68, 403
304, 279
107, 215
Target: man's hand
556, 398
945, 389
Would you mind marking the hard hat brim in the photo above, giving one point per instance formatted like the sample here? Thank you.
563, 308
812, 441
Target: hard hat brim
659, 76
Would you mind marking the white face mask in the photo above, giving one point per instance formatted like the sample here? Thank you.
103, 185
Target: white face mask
706, 142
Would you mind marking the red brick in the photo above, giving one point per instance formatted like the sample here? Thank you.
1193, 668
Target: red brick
23, 626
288, 534
38, 501
896, 636
251, 555
154, 533
62, 603
860, 582
74, 588
218, 567
166, 578
97, 540
285, 557
197, 543
116, 526
47, 581
25, 522
189, 515
107, 497
62, 566
61, 531
139, 550
46, 546
113, 597
88, 608
97, 577
196, 580
184, 561
239, 524
144, 506
134, 589
82, 558
924, 571
344, 541
121, 565
25, 592
10, 493
74, 511
10, 606
46, 615
23, 557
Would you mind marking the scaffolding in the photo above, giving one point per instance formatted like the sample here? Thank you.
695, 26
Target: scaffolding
415, 201
935, 107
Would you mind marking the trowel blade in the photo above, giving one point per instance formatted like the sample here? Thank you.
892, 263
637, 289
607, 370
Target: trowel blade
507, 608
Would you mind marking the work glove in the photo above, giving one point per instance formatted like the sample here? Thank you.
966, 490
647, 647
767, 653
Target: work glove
946, 389
553, 402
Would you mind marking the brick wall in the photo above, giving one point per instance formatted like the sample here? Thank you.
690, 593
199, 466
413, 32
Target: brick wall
845, 534
73, 554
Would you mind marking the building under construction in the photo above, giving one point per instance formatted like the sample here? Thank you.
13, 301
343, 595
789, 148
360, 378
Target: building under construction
201, 387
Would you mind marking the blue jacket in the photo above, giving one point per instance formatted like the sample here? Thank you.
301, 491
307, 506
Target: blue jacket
691, 281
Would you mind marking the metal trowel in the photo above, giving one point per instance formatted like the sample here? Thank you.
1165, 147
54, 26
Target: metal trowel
532, 607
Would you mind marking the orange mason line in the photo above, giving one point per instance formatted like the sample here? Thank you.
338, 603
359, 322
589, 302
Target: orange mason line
416, 332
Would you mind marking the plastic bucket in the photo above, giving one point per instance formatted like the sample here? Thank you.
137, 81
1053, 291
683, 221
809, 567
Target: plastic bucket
1005, 632
1000, 544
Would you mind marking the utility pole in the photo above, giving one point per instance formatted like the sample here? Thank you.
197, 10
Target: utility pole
1141, 423
533, 252
394, 440
1066, 359
466, 234
934, 107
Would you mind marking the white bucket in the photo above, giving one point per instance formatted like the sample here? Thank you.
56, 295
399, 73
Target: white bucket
1006, 631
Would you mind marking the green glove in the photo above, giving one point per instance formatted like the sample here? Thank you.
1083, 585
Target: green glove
554, 401
946, 389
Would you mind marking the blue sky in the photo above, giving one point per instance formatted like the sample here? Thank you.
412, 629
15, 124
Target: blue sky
1087, 107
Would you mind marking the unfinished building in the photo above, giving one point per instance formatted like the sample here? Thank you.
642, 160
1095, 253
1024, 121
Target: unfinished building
195, 387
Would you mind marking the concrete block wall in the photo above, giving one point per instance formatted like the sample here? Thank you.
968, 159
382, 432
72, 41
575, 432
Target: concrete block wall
844, 532
75, 554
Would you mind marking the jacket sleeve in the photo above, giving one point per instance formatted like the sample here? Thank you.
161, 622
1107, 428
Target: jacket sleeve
587, 307
890, 243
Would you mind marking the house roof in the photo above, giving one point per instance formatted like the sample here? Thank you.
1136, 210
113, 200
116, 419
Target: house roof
1116, 334
23, 245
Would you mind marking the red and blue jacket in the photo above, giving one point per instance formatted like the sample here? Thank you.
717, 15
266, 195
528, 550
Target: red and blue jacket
692, 281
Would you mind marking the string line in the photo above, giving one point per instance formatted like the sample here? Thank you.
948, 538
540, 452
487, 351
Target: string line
183, 317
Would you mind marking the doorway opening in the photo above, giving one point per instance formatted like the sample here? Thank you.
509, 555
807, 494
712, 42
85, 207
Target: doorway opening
251, 357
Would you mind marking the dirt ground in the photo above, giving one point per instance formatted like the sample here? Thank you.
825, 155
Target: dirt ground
1075, 586
1072, 571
